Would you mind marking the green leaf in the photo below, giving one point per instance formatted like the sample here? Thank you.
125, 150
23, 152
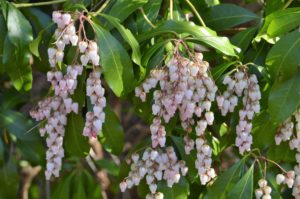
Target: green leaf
74, 142
78, 184
115, 62
34, 45
226, 181
109, 165
123, 8
263, 130
284, 98
9, 180
276, 18
112, 136
179, 190
148, 53
9, 119
243, 39
199, 33
151, 10
219, 70
127, 36
2, 38
244, 187
283, 21
225, 16
63, 188
281, 153
283, 60
16, 54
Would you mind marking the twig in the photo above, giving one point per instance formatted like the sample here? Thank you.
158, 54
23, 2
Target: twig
146, 18
171, 9
196, 12
287, 4
101, 8
29, 173
23, 5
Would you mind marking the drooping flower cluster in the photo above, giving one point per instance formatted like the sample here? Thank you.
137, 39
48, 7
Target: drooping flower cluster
54, 110
186, 87
155, 165
264, 190
240, 84
95, 118
290, 131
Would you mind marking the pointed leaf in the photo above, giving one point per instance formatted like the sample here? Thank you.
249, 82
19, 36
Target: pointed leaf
243, 188
115, 62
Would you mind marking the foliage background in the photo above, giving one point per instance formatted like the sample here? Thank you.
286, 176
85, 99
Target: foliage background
265, 31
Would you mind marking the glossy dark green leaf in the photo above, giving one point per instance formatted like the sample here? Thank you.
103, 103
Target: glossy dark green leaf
63, 188
272, 6
91, 186
225, 16
115, 62
243, 189
78, 184
109, 165
263, 130
127, 36
226, 181
74, 142
199, 33
149, 52
219, 70
112, 136
9, 119
284, 98
123, 8
283, 60
151, 10
9, 180
281, 153
244, 38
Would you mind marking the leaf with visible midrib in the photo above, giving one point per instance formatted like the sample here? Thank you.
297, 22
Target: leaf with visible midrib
115, 62
243, 188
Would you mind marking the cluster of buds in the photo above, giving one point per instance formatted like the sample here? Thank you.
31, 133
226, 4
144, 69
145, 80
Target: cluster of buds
186, 87
241, 84
264, 190
287, 179
290, 131
64, 35
90, 53
154, 165
95, 118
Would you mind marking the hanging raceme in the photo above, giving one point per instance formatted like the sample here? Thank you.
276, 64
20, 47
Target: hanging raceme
55, 109
241, 84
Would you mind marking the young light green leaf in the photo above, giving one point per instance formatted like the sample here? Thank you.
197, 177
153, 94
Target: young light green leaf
115, 62
199, 33
225, 16
243, 189
112, 136
284, 98
74, 142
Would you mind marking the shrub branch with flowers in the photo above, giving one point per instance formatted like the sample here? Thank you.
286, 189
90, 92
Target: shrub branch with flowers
150, 99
